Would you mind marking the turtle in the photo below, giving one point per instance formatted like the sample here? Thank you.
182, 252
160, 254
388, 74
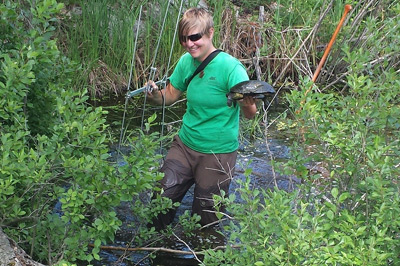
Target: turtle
256, 88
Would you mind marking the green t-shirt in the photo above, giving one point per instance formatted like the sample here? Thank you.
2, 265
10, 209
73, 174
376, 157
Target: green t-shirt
209, 125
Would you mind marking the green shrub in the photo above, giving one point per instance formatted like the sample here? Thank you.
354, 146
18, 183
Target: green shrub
280, 228
58, 189
350, 216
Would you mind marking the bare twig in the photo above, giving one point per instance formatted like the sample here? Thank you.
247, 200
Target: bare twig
212, 223
192, 251
265, 122
229, 217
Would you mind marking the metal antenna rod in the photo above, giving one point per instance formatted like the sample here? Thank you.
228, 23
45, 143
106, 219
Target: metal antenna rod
130, 77
166, 75
151, 77
152, 68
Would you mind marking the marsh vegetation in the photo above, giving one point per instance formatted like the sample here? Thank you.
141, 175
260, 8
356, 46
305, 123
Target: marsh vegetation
59, 190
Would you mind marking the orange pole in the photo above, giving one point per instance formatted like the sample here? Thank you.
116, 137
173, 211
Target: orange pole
347, 9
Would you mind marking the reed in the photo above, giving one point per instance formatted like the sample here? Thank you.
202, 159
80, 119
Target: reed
287, 44
100, 35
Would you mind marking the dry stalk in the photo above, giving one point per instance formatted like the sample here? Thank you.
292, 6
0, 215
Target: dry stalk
102, 78
226, 29
266, 127
358, 39
302, 47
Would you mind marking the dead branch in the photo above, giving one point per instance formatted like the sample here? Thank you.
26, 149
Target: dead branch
162, 249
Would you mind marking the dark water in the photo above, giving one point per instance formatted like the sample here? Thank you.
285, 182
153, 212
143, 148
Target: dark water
255, 155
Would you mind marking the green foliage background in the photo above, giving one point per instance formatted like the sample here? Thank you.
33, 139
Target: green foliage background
59, 190
351, 216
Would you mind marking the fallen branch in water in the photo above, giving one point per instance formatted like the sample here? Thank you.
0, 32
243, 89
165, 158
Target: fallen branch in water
161, 249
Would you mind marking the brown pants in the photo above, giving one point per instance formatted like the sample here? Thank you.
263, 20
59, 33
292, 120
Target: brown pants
184, 167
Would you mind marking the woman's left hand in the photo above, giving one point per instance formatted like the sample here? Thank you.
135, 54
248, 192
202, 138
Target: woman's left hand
248, 106
247, 101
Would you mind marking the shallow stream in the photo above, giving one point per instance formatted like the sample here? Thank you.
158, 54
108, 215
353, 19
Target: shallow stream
255, 155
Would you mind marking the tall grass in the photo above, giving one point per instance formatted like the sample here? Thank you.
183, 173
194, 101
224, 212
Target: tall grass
286, 45
100, 35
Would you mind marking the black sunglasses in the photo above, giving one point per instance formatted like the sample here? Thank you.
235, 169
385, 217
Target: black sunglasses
193, 37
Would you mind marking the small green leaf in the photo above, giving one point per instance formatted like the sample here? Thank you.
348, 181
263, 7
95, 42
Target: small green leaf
331, 206
361, 230
90, 201
97, 242
330, 215
343, 197
335, 192
96, 256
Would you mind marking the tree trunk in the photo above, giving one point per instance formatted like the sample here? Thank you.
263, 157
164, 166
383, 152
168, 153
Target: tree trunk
11, 254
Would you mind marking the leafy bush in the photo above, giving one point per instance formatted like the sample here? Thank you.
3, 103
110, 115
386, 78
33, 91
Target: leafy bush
58, 188
280, 228
352, 215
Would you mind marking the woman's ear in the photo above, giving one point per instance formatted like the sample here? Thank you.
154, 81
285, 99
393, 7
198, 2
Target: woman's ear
211, 32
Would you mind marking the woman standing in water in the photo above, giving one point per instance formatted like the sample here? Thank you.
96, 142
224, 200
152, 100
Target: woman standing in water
205, 150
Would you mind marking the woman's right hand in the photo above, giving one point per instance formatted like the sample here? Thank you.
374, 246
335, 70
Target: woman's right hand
157, 96
153, 93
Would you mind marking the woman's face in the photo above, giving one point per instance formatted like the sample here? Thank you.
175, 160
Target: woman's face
199, 46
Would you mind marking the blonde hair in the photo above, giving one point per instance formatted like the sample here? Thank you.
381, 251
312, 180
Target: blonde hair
195, 18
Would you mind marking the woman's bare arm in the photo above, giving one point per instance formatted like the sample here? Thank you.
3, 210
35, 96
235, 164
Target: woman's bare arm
170, 93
